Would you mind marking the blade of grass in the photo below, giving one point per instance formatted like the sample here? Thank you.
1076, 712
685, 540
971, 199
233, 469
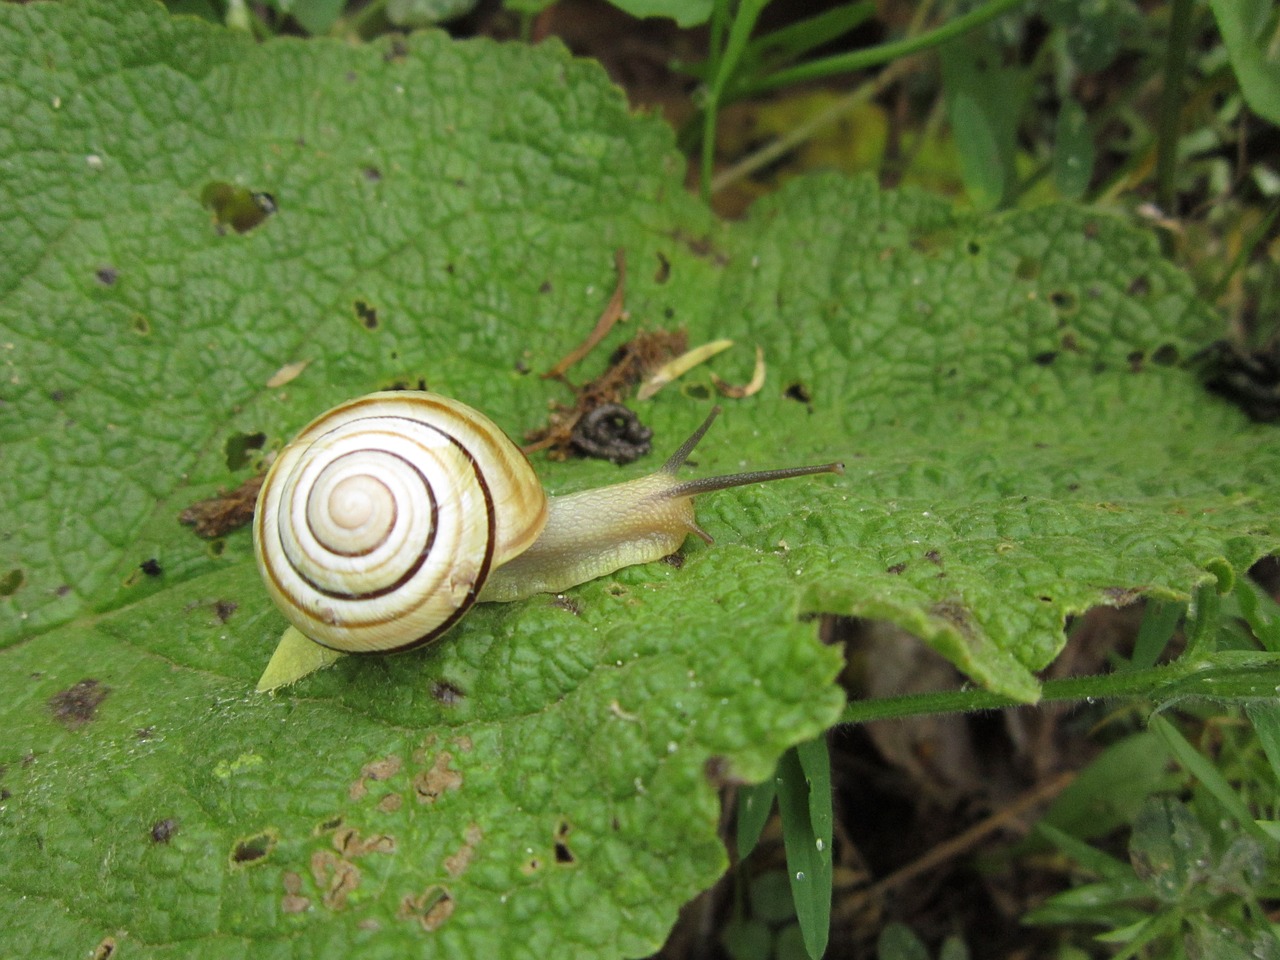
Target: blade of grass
1159, 621
881, 53
739, 33
1175, 68
754, 805
1266, 723
1200, 767
804, 801
793, 41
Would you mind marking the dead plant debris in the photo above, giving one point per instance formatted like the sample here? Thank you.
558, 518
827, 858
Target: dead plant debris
228, 511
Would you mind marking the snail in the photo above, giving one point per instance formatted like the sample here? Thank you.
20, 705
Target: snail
391, 514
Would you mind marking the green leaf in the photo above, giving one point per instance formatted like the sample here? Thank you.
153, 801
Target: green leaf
755, 802
804, 805
423, 13
1072, 150
1111, 789
1266, 723
1249, 30
1019, 446
897, 941
1203, 769
1169, 848
983, 100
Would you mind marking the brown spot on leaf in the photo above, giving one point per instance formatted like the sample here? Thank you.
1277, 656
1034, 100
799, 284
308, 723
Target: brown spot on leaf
1121, 596
456, 863
335, 876
78, 704
348, 842
431, 908
567, 604
107, 275
446, 693
897, 568
957, 614
223, 609
933, 556
293, 903
390, 803
163, 830
430, 785
105, 949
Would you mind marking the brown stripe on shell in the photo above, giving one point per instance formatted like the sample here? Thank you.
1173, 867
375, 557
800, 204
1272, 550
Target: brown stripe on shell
481, 576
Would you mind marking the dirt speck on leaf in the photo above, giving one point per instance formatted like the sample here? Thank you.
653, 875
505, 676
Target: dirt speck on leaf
78, 704
430, 785
163, 830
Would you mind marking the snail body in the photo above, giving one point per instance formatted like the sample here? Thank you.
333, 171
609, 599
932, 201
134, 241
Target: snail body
390, 515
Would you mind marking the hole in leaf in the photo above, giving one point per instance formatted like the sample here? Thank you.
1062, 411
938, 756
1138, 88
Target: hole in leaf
151, 567
799, 392
1139, 286
11, 582
1166, 355
1063, 300
1045, 358
896, 568
366, 315
240, 446
240, 208
1028, 268
973, 247
664, 269
252, 849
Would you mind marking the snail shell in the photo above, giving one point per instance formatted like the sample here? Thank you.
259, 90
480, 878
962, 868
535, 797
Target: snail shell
377, 527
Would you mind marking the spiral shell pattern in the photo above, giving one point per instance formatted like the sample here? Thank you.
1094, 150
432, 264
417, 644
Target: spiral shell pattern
378, 525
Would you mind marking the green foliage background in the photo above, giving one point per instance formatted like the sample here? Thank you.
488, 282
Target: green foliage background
1021, 444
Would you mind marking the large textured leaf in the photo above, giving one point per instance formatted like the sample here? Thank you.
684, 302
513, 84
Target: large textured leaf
541, 783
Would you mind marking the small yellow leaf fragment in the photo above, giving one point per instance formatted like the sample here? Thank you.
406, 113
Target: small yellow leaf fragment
296, 656
287, 373
735, 392
680, 366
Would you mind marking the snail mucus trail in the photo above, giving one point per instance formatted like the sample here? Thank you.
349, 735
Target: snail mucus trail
390, 515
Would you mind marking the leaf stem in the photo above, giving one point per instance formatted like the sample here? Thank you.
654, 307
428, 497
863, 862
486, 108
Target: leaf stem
1224, 676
